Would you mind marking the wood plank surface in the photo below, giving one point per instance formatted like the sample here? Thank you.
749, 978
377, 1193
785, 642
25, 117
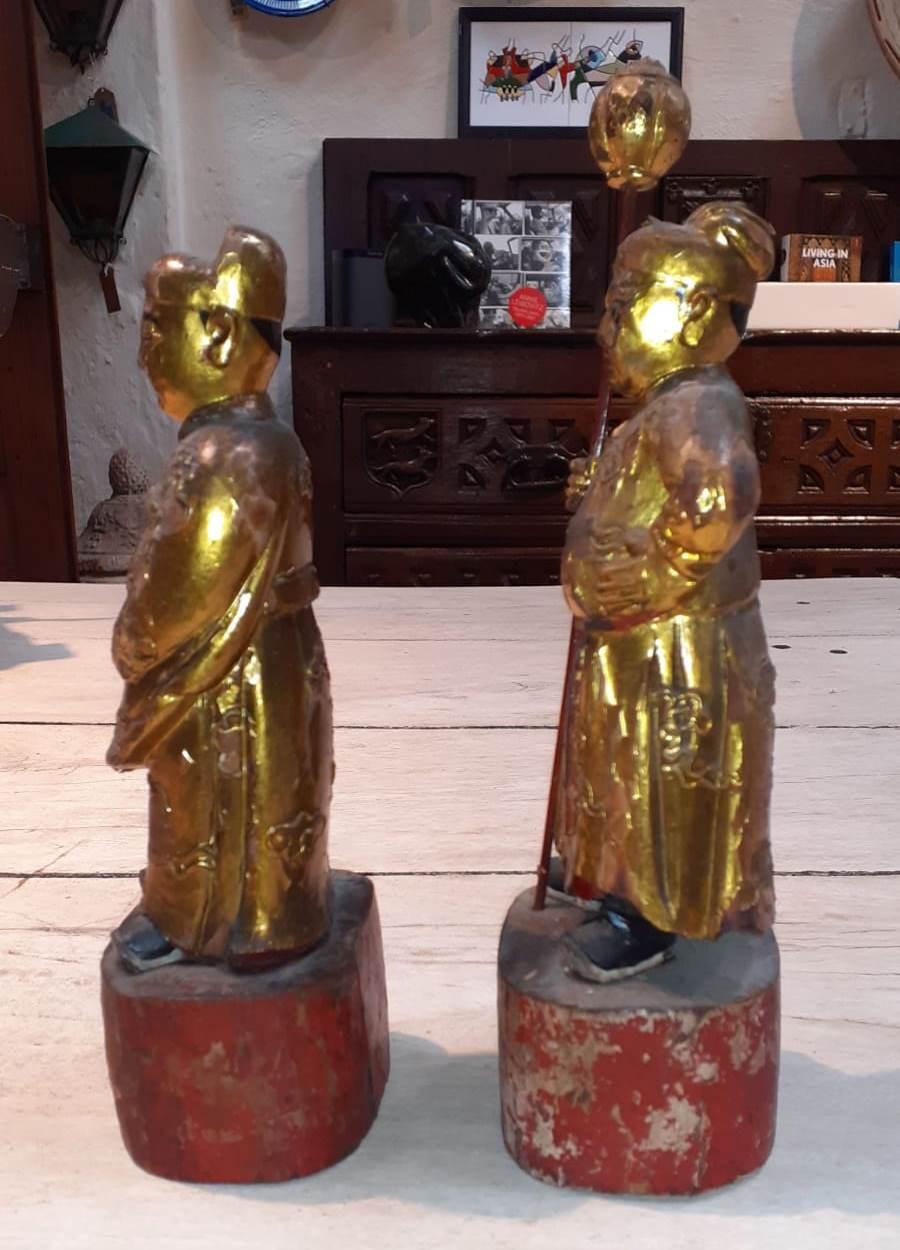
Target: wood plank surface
433, 1172
867, 607
411, 662
448, 817
419, 800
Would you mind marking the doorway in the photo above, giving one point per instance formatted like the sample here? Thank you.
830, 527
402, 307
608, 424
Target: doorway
37, 531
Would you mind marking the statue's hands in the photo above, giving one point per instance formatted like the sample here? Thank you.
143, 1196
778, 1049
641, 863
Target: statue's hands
618, 575
621, 578
582, 471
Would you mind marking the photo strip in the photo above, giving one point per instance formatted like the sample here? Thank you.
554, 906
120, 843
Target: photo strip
529, 245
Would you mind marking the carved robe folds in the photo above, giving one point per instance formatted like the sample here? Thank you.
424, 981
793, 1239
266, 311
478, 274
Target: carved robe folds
227, 697
668, 725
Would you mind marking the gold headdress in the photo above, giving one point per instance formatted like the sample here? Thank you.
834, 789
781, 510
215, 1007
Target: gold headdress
724, 246
247, 277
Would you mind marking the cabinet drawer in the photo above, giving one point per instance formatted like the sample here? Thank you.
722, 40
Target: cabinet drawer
831, 455
428, 566
462, 455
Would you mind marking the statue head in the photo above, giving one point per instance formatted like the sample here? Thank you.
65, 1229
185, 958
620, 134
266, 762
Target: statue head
680, 295
211, 332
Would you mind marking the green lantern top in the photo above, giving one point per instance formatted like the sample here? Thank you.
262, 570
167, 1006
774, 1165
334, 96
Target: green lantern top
91, 128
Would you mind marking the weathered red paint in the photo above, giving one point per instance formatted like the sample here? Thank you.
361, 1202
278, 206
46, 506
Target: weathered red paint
244, 1077
665, 1084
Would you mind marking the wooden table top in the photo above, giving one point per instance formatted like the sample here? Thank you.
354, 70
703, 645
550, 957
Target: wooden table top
445, 704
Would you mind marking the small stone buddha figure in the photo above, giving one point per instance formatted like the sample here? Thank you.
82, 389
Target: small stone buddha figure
109, 540
226, 700
662, 819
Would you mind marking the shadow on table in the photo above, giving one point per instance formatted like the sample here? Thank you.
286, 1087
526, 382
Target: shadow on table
437, 1143
17, 648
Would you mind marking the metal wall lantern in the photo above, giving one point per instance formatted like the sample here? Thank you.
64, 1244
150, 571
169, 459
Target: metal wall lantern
80, 28
94, 167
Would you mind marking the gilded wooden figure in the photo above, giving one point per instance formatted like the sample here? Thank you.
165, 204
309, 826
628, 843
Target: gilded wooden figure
226, 700
662, 811
620, 1071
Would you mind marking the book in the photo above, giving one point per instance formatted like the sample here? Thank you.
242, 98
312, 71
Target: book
529, 245
894, 273
821, 258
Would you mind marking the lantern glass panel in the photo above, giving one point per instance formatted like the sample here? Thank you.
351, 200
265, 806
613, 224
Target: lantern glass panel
86, 187
80, 28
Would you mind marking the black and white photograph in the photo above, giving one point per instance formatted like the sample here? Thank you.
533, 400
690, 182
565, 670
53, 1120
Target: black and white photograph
523, 258
496, 319
554, 290
544, 256
501, 287
548, 219
503, 251
495, 217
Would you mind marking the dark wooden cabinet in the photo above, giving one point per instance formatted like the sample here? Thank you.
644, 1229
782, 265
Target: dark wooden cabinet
372, 186
439, 456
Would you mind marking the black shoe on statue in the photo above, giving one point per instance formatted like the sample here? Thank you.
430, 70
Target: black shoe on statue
141, 946
614, 947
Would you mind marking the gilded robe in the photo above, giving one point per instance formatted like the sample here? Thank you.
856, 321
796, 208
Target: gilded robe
668, 721
227, 700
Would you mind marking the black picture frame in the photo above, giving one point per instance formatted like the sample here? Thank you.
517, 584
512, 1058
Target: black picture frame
469, 18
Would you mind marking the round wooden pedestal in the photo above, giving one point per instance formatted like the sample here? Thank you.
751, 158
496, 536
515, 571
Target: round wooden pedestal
243, 1077
662, 1084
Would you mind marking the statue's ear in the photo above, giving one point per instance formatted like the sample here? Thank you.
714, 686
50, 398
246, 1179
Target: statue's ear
701, 310
221, 331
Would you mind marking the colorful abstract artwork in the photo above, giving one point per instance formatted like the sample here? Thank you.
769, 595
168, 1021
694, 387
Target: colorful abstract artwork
538, 69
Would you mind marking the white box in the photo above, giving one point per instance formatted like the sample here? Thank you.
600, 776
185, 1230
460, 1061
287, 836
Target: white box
826, 306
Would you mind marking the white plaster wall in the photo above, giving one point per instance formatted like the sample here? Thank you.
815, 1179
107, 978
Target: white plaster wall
109, 404
238, 110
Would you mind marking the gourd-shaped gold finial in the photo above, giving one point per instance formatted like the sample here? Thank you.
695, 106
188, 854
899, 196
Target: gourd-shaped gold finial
640, 125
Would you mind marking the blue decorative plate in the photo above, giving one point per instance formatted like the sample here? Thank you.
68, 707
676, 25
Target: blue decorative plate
288, 8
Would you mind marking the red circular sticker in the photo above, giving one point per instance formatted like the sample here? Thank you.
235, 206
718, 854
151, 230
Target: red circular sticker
528, 306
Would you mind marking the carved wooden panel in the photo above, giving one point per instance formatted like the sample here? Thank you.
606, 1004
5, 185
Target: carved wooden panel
395, 199
411, 566
400, 449
683, 194
833, 454
435, 455
866, 206
460, 455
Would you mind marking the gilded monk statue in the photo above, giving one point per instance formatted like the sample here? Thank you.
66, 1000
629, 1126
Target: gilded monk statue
662, 810
226, 700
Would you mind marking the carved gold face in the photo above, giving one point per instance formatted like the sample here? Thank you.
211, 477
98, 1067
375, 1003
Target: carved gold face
680, 294
211, 333
656, 324
195, 357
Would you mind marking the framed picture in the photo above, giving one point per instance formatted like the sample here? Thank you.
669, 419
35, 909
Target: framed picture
536, 71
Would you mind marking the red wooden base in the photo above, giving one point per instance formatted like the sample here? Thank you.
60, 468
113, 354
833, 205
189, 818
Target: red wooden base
243, 1077
662, 1084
